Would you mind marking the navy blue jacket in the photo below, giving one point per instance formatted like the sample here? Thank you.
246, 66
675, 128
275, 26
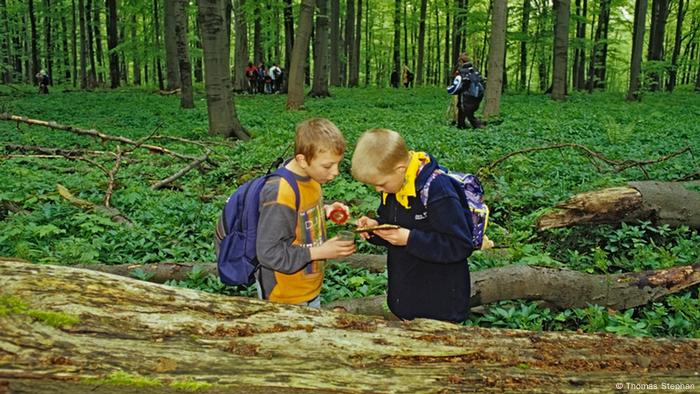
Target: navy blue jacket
429, 277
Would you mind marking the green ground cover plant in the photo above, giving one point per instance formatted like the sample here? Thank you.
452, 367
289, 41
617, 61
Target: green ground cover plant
176, 223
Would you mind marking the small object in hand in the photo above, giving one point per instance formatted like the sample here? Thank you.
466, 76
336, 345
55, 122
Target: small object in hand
345, 235
372, 228
338, 216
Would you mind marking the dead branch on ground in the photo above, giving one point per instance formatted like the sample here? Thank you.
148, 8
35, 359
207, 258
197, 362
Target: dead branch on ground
617, 165
110, 212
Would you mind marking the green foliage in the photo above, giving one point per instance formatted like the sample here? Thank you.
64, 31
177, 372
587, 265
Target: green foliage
177, 223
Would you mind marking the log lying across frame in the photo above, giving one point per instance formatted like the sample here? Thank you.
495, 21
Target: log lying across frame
671, 203
71, 330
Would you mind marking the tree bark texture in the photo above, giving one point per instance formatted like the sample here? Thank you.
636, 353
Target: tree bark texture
561, 49
217, 78
112, 42
421, 42
560, 288
349, 38
497, 47
335, 43
75, 330
171, 50
671, 203
295, 94
659, 14
673, 71
320, 83
183, 53
640, 14
241, 59
396, 51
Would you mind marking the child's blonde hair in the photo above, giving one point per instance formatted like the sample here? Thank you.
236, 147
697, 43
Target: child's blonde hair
316, 135
377, 153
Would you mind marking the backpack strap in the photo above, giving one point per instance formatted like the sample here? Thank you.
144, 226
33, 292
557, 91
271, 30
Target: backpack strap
292, 180
424, 192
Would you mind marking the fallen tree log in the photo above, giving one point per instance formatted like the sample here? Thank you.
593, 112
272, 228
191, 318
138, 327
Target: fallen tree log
671, 203
64, 329
560, 288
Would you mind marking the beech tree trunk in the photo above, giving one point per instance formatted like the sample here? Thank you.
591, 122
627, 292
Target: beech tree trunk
560, 288
240, 61
295, 94
171, 55
561, 49
640, 14
320, 83
335, 42
70, 330
497, 47
217, 82
183, 53
671, 203
112, 42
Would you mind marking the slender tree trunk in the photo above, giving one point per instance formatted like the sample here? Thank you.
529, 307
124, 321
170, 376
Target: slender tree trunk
156, 30
258, 56
335, 39
368, 43
112, 42
673, 72
421, 42
83, 47
65, 48
198, 74
320, 85
525, 22
171, 52
460, 23
34, 41
355, 64
448, 63
396, 64
640, 14
240, 81
136, 54
99, 55
48, 39
6, 72
349, 39
405, 33
288, 40
217, 77
602, 44
92, 72
74, 43
295, 94
183, 53
561, 49
659, 13
497, 45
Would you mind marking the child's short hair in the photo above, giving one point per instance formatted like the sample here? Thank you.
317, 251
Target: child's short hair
377, 153
317, 135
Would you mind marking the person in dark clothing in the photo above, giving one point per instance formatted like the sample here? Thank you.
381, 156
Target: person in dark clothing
467, 105
395, 79
428, 273
44, 81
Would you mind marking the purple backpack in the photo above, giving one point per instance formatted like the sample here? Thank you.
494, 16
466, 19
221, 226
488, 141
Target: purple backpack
474, 195
237, 260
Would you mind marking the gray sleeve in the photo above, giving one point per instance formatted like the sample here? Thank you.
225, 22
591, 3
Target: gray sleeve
276, 233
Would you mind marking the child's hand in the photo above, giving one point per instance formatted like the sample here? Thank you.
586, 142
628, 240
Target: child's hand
366, 222
396, 237
333, 249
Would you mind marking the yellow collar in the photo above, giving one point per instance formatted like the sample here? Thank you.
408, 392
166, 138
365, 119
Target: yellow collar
416, 162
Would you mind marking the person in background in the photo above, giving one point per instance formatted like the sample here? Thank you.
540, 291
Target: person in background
44, 81
251, 72
467, 105
394, 79
276, 75
407, 77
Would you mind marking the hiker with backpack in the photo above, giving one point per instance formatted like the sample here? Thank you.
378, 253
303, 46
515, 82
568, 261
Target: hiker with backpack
468, 86
428, 274
274, 227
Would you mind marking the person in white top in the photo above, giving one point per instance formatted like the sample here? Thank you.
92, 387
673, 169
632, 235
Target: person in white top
276, 75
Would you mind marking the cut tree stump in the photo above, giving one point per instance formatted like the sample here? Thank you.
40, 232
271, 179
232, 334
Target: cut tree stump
71, 330
671, 203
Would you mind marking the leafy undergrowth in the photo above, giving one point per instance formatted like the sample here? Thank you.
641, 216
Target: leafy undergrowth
176, 223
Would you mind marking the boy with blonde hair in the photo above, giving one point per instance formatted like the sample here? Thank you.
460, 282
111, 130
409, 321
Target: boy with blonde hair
427, 255
291, 244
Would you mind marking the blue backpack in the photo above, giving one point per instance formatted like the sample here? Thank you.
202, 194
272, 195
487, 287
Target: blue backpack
467, 82
474, 195
237, 259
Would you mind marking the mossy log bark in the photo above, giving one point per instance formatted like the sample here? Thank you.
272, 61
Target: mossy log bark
560, 288
671, 203
71, 330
